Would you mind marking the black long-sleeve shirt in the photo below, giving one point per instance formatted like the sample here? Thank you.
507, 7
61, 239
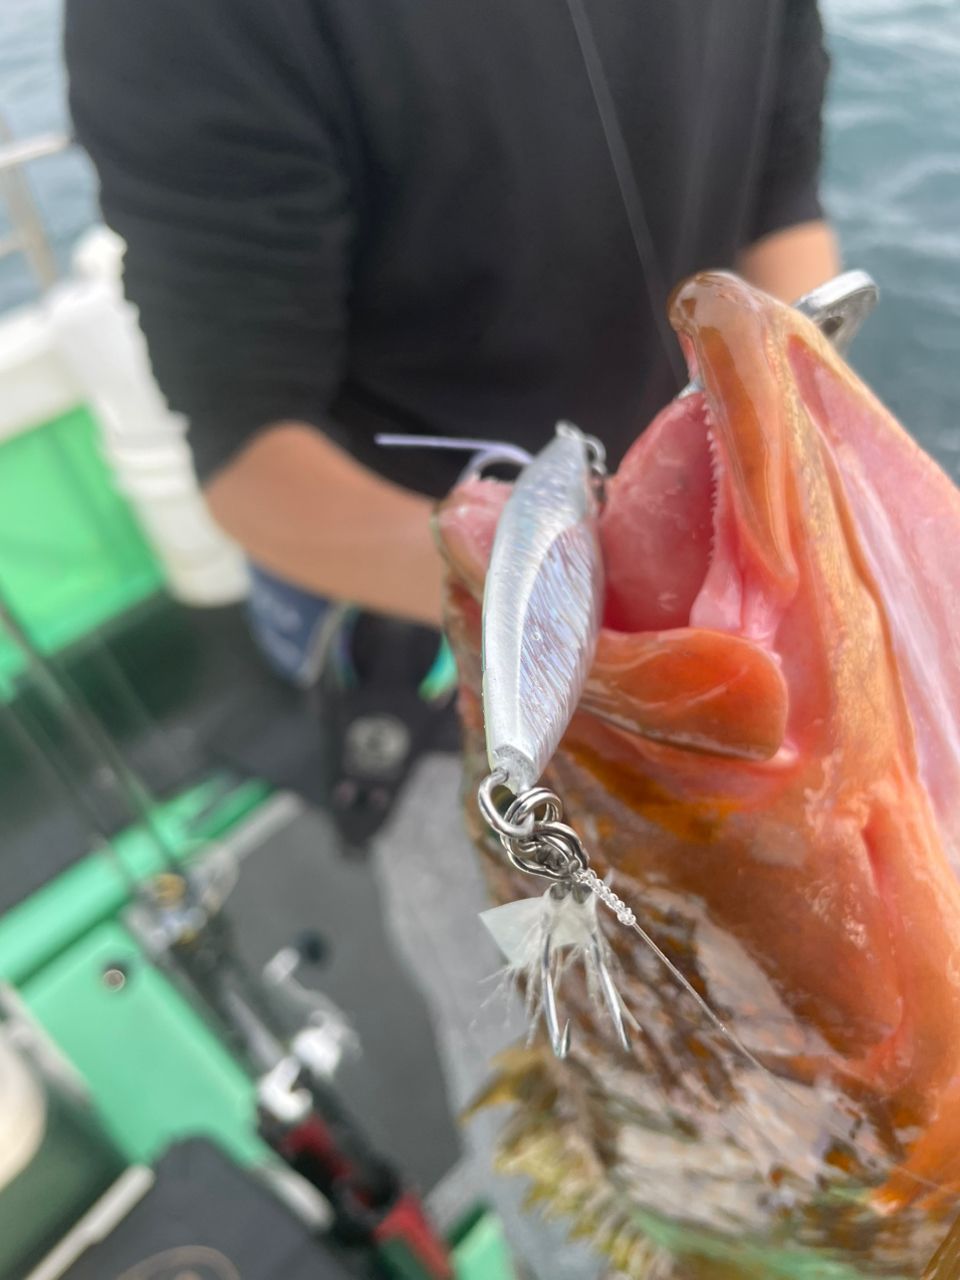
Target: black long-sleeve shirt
383, 214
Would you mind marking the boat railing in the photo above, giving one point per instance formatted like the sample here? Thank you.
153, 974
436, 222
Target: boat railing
28, 235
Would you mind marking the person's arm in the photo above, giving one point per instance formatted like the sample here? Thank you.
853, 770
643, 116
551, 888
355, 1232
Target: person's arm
790, 246
225, 163
793, 261
306, 510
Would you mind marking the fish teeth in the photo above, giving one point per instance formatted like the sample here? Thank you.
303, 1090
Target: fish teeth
716, 470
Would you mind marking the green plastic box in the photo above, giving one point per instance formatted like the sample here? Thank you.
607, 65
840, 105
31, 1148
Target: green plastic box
72, 555
155, 1070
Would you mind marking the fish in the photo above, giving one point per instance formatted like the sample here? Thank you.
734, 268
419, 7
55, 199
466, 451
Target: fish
765, 765
945, 1264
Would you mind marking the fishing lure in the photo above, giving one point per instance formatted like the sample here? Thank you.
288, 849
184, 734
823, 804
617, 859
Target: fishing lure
541, 618
541, 606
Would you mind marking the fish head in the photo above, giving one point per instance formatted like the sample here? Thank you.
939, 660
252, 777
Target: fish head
766, 748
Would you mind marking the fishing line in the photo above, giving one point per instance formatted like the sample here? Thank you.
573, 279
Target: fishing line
627, 917
168, 754
653, 280
37, 744
56, 689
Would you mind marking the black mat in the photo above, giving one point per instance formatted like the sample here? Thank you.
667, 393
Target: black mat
163, 681
297, 883
205, 1219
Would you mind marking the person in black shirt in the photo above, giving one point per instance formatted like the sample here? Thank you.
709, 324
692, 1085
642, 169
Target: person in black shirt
344, 216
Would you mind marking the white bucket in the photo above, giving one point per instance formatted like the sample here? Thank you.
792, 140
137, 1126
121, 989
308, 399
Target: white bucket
187, 540
98, 335
166, 460
96, 332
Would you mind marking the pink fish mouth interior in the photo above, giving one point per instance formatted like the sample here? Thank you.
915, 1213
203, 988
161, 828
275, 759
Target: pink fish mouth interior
658, 527
675, 553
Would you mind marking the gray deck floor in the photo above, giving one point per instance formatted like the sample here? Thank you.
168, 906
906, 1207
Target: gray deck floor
411, 965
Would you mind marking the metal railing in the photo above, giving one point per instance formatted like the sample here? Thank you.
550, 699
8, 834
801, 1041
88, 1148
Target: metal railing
28, 235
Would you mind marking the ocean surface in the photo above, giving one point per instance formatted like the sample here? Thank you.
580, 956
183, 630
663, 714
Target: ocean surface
892, 184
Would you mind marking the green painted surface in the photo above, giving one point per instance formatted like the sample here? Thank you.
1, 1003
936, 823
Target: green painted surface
72, 555
98, 886
480, 1251
155, 1070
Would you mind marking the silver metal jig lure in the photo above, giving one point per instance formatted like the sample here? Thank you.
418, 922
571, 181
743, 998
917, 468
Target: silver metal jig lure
541, 606
541, 618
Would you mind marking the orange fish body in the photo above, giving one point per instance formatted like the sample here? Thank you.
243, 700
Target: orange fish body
767, 762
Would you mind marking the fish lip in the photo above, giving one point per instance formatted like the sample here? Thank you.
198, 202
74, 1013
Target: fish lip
735, 335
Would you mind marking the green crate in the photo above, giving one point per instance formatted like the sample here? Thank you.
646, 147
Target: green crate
72, 555
98, 886
155, 1070
480, 1249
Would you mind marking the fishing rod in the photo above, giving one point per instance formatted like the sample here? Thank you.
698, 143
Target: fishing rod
183, 928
